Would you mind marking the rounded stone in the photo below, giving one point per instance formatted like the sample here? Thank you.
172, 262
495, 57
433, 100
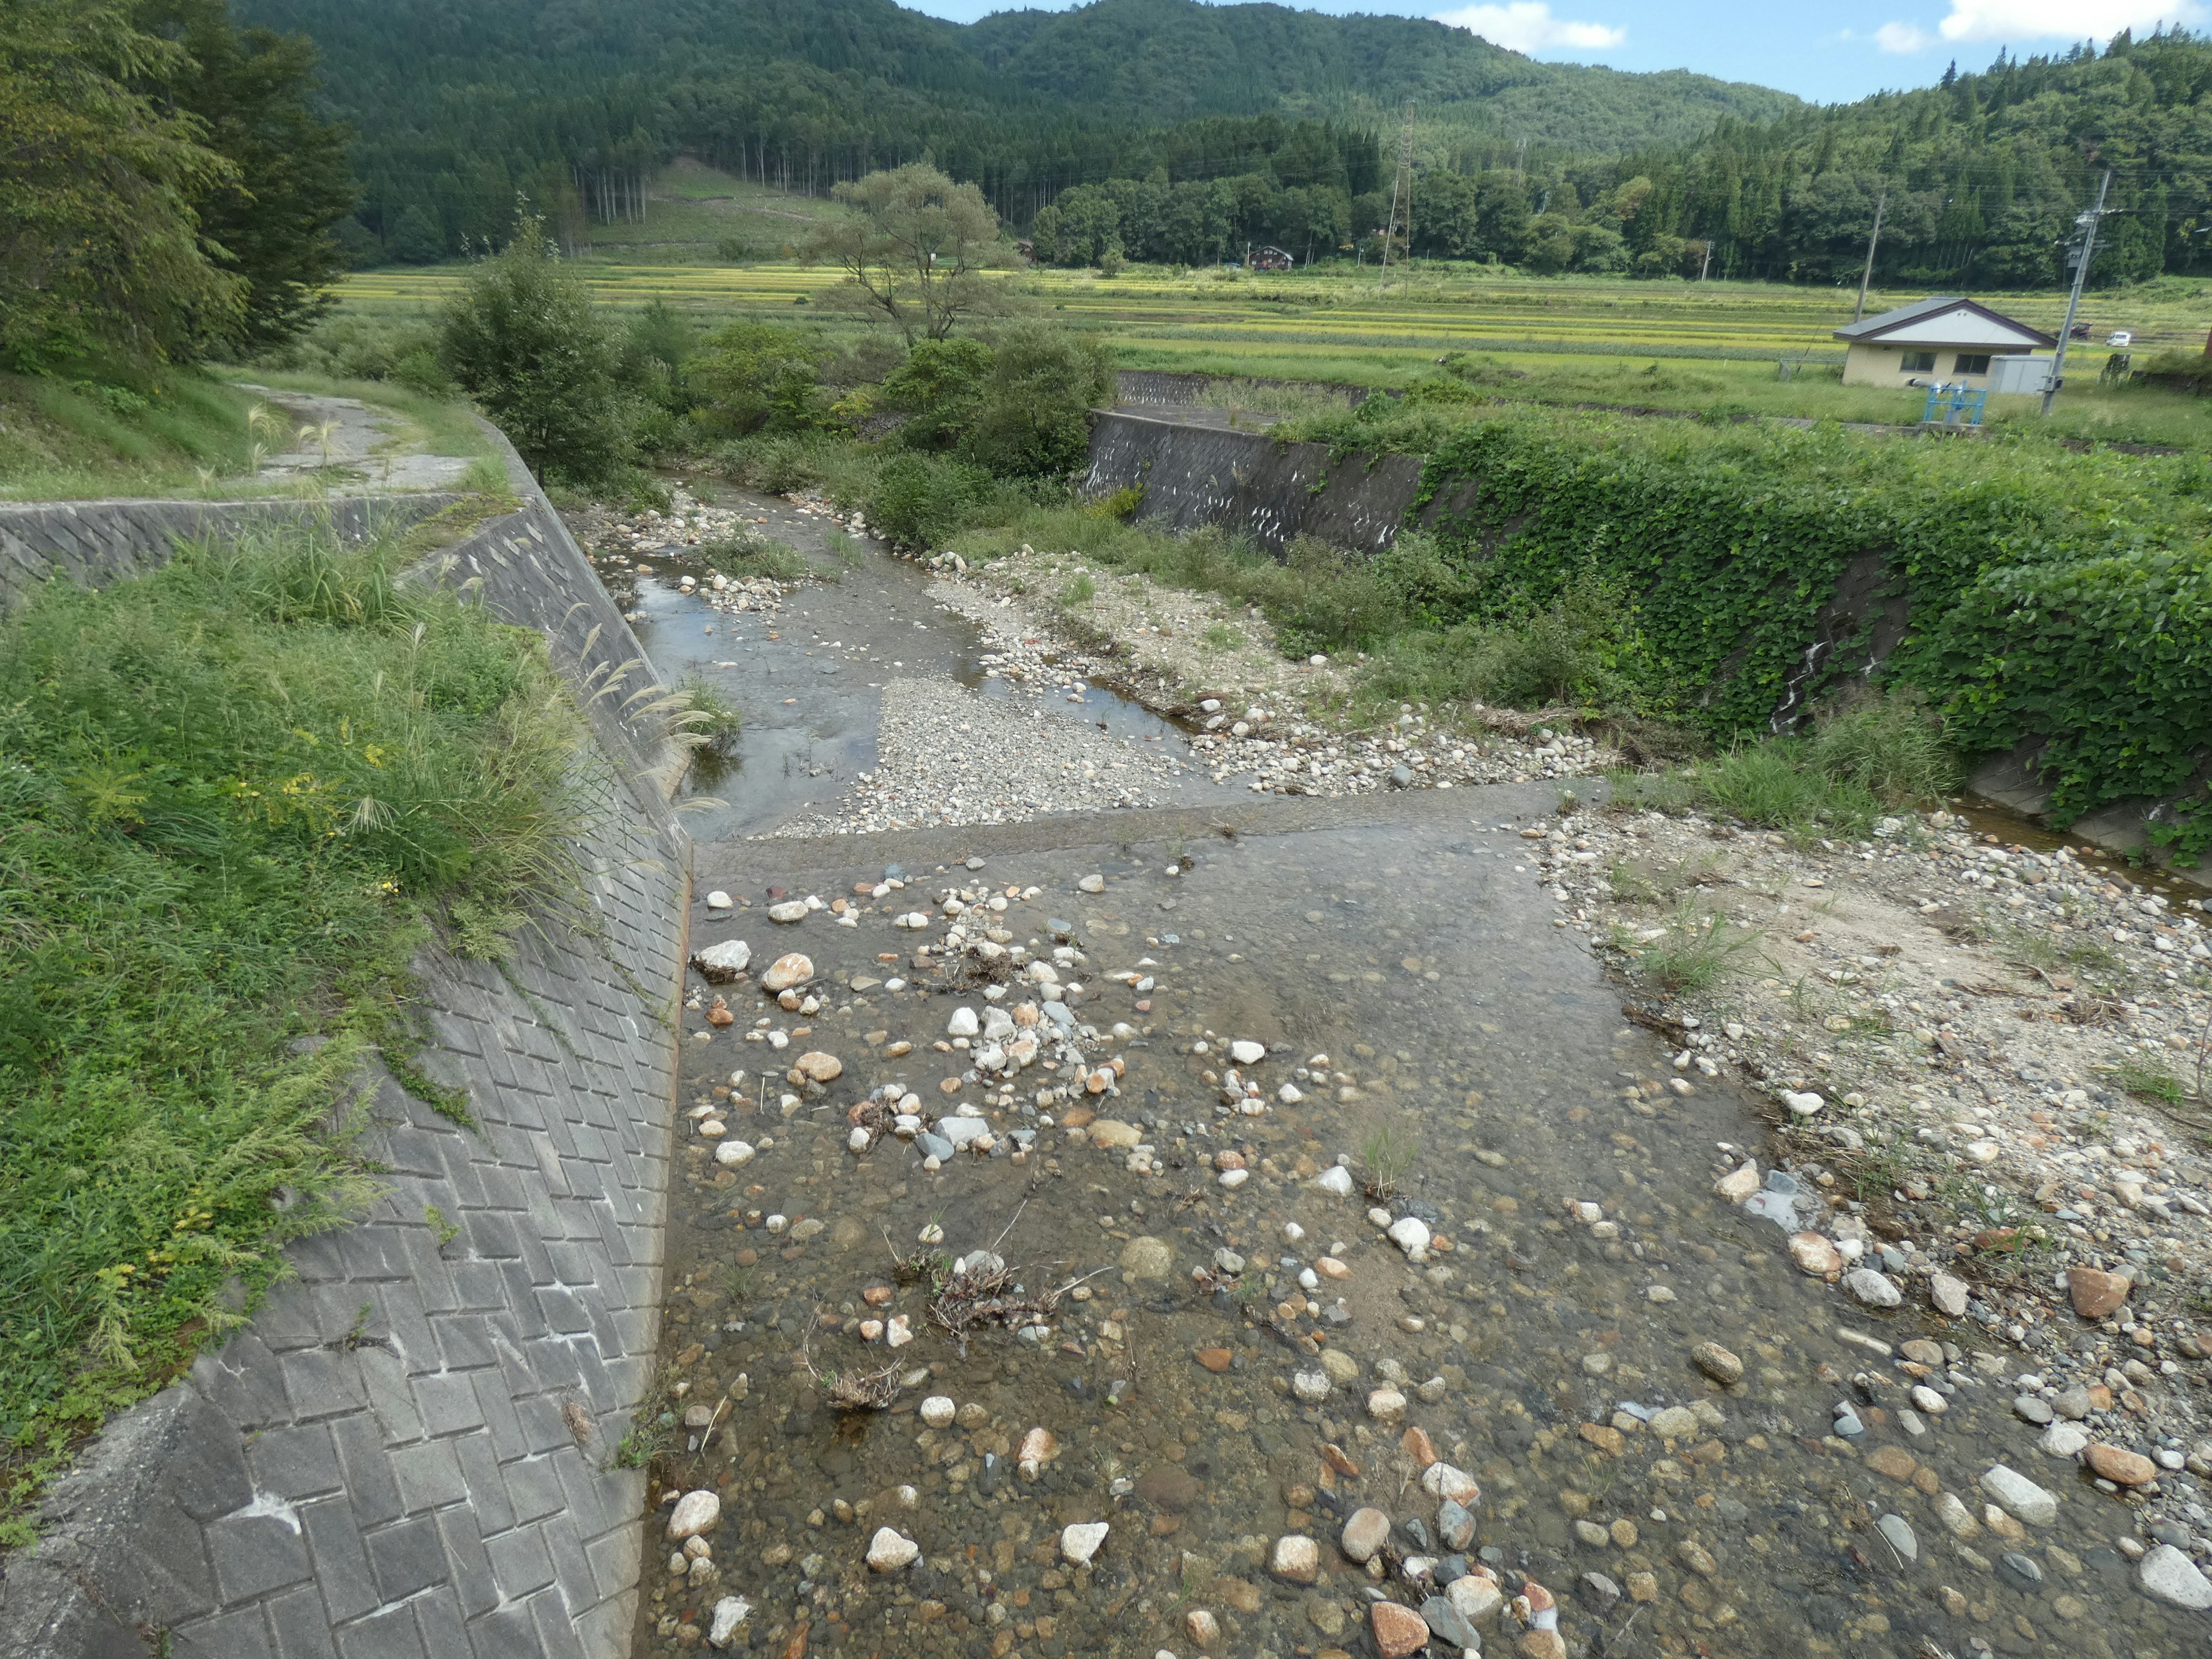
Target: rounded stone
1814, 1255
1146, 1257
1080, 1541
818, 1067
1872, 1288
792, 968
937, 1411
1295, 1558
890, 1550
1400, 1632
2122, 1467
1717, 1362
2170, 1576
2096, 1293
1365, 1535
696, 1513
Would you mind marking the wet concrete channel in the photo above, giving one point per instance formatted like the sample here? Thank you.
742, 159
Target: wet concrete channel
1205, 1340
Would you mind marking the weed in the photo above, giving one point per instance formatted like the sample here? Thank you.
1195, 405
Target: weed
1081, 591
1386, 1158
443, 1230
1697, 949
1892, 747
1221, 636
651, 1432
239, 796
2151, 1083
710, 717
750, 554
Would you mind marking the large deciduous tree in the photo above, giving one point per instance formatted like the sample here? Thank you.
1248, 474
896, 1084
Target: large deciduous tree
915, 249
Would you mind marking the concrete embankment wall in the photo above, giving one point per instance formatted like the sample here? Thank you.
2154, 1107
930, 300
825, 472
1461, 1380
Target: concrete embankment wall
1192, 476
409, 1450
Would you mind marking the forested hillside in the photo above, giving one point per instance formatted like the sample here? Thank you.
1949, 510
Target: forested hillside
1978, 181
457, 108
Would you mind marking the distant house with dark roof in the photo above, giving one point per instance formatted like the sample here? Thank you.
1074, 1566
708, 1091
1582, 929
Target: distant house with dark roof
1948, 340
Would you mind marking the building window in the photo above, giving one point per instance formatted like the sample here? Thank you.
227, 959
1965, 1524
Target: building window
1972, 363
1917, 362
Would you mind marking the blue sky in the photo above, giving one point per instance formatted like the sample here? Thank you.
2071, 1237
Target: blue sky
1808, 50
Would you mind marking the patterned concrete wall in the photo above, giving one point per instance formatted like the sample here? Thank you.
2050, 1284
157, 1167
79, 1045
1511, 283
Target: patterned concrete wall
94, 541
1274, 492
409, 1450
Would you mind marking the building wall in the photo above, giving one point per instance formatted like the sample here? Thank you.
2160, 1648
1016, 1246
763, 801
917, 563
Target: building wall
1884, 364
409, 1451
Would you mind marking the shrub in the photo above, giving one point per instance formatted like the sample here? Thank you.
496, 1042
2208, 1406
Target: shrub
1033, 416
524, 338
939, 388
922, 500
1891, 746
758, 377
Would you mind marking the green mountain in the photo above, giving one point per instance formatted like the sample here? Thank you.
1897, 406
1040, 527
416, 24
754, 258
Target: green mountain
459, 107
1161, 61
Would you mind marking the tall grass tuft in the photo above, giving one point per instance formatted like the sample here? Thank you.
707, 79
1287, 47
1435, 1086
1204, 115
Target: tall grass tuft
237, 796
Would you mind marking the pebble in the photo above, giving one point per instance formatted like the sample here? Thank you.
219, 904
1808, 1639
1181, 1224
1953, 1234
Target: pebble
1738, 1184
1204, 1628
1081, 1541
1957, 1520
1411, 1234
1448, 1625
1145, 1257
722, 1625
2061, 1440
1449, 1483
890, 1550
1335, 1179
1386, 1405
1814, 1255
2032, 1409
720, 964
1295, 1558
1093, 884
695, 1513
2021, 1495
790, 910
1365, 1535
730, 1153
1717, 1362
1893, 1528
1872, 1288
2020, 1571
1948, 1295
2095, 1294
2121, 1466
1455, 1525
2170, 1576
1245, 1052
1475, 1597
1801, 1102
719, 900
1399, 1631
937, 1411
787, 971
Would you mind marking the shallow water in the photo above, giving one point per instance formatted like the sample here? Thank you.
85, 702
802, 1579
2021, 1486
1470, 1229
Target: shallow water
1486, 1050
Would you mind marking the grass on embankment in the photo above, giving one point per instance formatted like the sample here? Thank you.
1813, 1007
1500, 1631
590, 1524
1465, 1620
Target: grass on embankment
62, 440
237, 795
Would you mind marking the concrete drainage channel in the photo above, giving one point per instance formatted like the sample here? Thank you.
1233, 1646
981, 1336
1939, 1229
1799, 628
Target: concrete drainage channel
411, 1448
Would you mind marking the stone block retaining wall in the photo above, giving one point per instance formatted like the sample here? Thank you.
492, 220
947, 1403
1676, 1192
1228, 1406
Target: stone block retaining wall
409, 1450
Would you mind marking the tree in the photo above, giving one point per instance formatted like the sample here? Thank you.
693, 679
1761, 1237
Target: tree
290, 183
757, 376
101, 245
915, 249
523, 337
1034, 419
938, 387
417, 239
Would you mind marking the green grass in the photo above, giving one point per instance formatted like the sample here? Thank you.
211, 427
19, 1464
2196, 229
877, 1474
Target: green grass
1698, 950
237, 797
422, 422
749, 554
68, 439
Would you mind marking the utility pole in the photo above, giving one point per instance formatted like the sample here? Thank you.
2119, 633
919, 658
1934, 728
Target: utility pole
2089, 221
1867, 276
1401, 182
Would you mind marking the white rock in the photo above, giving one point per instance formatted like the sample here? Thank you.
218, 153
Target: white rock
730, 1153
1079, 1542
1386, 1405
1947, 1294
2021, 1495
915, 919
1335, 1179
1444, 1480
890, 1550
789, 911
1232, 1179
695, 1513
937, 1410
963, 1022
722, 962
898, 1331
1873, 1288
722, 1625
718, 900
1245, 1052
1927, 1399
857, 1141
1738, 1184
1801, 1102
1410, 1235
1290, 1094
2172, 1578
2061, 1440
1474, 1598
1092, 884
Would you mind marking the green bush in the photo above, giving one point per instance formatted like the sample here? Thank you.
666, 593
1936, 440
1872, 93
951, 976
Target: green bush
524, 338
238, 796
1033, 420
939, 388
923, 501
1893, 747
758, 377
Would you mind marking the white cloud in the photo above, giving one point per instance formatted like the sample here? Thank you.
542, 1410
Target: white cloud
1903, 38
2062, 20
1528, 26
